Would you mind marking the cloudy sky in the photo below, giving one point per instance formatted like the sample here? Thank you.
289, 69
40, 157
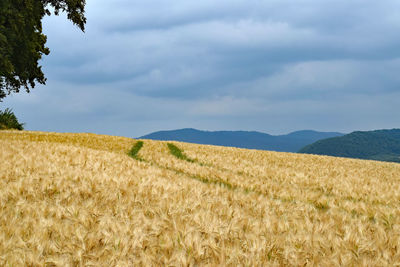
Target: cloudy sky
274, 66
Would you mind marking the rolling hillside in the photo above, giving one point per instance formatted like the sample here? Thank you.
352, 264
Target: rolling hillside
381, 145
79, 200
242, 139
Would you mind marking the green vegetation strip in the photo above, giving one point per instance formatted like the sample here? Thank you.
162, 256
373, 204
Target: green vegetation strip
135, 150
177, 152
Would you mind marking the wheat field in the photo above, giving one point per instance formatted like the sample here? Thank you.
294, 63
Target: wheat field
80, 200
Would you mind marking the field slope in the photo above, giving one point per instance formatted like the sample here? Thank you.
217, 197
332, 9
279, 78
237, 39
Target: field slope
81, 200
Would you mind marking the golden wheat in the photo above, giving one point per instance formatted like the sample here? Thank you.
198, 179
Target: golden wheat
78, 199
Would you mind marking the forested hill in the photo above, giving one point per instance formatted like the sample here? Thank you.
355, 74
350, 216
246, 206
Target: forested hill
243, 139
381, 145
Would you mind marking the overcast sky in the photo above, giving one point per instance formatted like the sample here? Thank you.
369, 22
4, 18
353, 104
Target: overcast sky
273, 66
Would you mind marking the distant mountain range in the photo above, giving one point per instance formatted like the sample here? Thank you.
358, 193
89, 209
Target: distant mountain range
381, 145
254, 140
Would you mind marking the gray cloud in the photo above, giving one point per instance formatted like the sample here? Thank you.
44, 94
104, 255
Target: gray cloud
271, 66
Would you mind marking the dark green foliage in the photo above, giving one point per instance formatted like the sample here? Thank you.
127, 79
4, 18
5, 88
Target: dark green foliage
135, 150
178, 153
8, 120
22, 43
383, 145
75, 10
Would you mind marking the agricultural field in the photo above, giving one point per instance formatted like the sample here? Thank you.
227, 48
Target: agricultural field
95, 200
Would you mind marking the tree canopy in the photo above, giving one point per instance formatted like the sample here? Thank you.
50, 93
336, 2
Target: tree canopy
22, 43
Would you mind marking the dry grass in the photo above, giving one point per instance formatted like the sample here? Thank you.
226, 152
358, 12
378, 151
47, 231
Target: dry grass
79, 199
